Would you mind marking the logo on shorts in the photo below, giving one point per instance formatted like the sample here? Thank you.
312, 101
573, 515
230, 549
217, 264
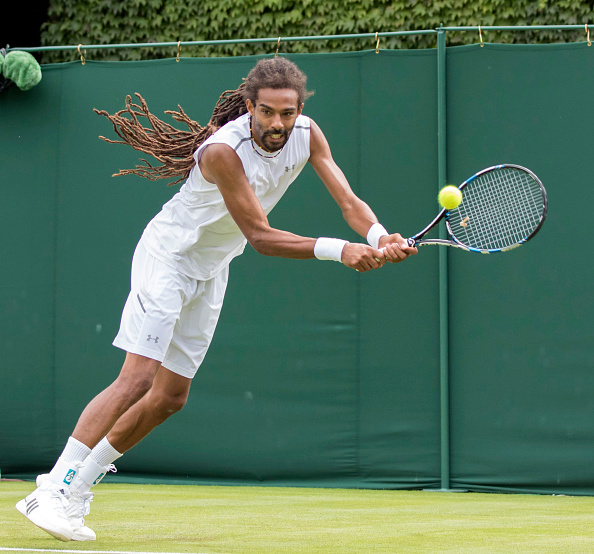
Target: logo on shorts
149, 338
69, 476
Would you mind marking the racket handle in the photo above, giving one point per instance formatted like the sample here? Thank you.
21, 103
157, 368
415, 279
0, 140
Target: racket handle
411, 242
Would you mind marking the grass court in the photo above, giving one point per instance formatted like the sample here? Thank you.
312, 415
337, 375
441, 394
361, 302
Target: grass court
249, 520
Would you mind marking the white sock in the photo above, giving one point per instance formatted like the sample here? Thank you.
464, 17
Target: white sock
75, 451
96, 466
105, 454
69, 461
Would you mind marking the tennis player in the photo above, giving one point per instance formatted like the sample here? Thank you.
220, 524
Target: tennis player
179, 276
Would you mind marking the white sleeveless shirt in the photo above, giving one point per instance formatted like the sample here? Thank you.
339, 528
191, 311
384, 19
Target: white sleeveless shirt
194, 231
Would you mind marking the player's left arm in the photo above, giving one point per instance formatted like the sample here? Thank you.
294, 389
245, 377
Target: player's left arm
356, 212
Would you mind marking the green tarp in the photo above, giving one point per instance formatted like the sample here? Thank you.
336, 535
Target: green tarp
317, 375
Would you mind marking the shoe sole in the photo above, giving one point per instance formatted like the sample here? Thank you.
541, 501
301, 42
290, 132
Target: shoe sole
21, 506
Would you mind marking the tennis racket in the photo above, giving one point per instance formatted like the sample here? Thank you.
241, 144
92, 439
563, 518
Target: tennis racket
502, 207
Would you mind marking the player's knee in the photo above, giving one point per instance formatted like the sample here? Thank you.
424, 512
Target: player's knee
135, 379
168, 404
139, 388
128, 391
175, 404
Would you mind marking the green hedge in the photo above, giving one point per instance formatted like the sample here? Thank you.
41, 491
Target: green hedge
72, 22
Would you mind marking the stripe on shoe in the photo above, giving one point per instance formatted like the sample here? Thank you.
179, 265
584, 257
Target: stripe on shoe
31, 505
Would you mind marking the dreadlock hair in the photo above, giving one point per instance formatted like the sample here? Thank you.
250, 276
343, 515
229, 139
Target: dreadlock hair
174, 148
276, 73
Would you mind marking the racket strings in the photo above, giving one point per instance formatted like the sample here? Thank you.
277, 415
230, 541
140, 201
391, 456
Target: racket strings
499, 206
507, 202
502, 214
500, 209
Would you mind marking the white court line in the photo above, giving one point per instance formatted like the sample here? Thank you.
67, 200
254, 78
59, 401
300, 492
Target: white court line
2, 549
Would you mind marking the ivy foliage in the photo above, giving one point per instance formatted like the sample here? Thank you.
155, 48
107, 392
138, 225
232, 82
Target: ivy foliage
94, 22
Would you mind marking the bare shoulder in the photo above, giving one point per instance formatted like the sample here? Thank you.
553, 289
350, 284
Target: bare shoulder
218, 152
219, 160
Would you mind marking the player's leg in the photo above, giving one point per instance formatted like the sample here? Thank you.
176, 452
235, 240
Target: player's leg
150, 314
53, 506
191, 339
167, 396
134, 381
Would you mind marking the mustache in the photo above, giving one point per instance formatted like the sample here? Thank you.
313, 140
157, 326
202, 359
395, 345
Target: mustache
275, 132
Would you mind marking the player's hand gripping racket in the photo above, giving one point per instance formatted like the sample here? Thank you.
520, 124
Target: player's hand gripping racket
502, 207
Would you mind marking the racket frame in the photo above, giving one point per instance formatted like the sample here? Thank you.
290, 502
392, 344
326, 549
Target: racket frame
416, 240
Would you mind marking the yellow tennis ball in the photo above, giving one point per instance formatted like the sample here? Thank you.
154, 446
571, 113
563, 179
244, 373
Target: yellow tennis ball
449, 197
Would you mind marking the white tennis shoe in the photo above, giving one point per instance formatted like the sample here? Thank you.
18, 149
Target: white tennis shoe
46, 508
78, 505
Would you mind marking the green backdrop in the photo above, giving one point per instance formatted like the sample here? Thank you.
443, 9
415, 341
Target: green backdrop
317, 375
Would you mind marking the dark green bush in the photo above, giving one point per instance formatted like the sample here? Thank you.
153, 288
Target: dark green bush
73, 22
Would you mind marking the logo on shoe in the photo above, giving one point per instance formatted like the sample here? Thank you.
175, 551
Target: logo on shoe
69, 476
98, 479
31, 505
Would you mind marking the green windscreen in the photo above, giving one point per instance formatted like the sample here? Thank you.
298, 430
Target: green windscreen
317, 375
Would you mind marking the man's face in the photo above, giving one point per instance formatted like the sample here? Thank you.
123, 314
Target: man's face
273, 117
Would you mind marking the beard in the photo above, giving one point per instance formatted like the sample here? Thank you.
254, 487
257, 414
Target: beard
273, 139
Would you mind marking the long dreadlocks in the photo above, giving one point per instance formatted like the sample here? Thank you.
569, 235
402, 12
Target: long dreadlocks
174, 148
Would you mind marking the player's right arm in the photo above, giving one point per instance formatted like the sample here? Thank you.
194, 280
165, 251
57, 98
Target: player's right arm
220, 165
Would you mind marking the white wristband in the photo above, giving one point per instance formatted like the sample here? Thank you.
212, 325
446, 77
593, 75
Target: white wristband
376, 231
329, 249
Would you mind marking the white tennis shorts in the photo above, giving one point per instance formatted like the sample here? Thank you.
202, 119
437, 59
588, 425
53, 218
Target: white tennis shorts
170, 317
